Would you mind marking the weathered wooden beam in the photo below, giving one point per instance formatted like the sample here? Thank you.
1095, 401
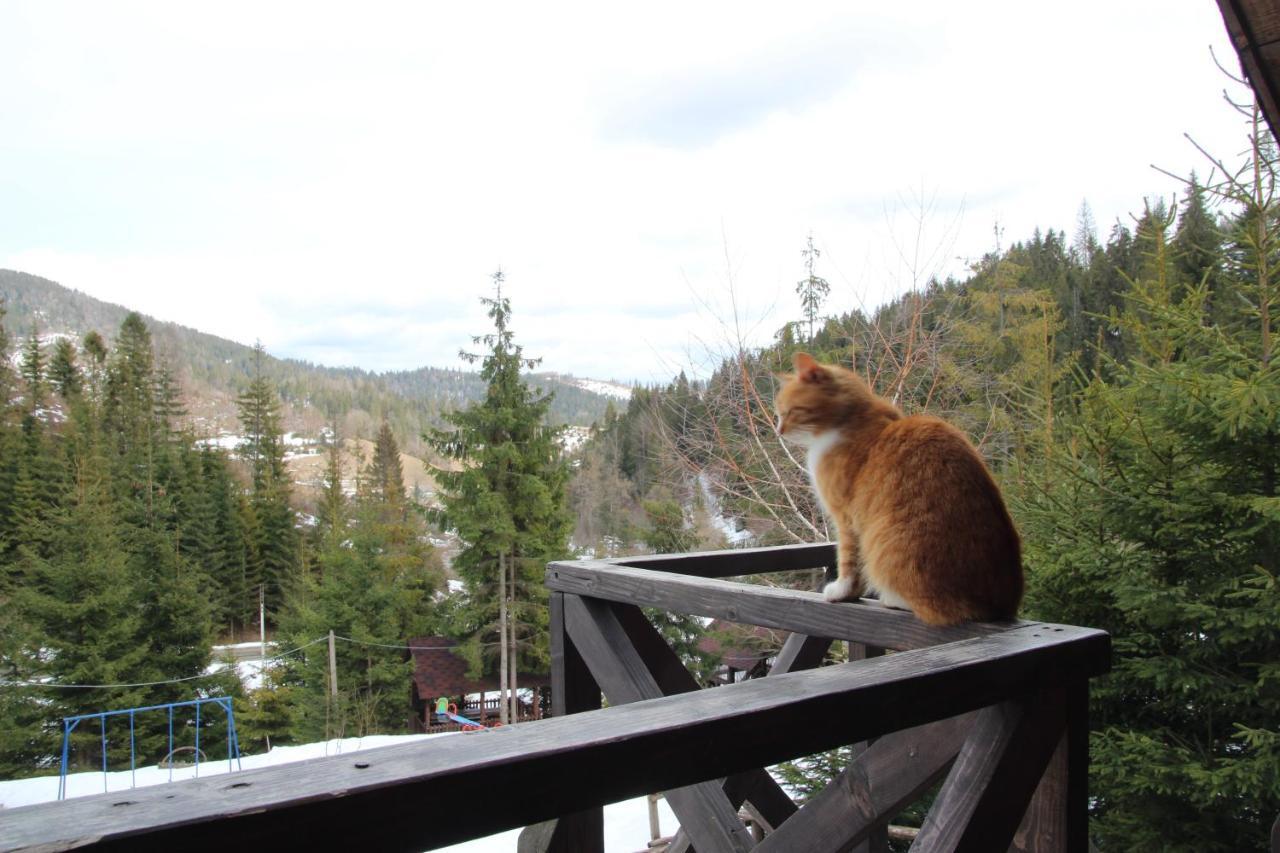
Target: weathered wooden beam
737, 562
573, 690
791, 610
876, 839
1057, 818
703, 809
426, 794
994, 776
889, 775
800, 652
757, 787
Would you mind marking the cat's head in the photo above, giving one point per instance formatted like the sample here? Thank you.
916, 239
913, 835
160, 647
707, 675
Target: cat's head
818, 398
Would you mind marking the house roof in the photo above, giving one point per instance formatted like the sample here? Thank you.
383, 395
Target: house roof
740, 646
1254, 28
439, 671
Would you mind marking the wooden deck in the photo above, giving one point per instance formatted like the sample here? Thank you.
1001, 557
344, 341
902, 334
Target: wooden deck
998, 710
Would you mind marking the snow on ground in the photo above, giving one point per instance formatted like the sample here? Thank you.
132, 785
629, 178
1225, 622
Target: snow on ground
606, 389
42, 789
715, 512
247, 658
248, 671
573, 437
252, 645
626, 824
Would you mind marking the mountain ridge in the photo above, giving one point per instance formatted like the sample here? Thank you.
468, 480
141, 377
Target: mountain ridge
212, 370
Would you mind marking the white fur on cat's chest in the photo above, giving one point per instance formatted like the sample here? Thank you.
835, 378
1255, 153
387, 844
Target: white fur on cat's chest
819, 445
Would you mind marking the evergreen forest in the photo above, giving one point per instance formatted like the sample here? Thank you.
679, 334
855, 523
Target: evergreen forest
1119, 382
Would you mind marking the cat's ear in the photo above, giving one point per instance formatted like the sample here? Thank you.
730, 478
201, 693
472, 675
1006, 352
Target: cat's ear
808, 369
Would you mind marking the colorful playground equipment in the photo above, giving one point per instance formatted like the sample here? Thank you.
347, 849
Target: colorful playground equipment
448, 710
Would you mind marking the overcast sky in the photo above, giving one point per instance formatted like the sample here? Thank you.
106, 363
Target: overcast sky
340, 180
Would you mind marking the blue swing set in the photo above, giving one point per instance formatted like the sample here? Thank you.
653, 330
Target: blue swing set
69, 725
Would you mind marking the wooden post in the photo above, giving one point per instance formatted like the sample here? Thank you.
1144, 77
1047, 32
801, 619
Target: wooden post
502, 640
262, 624
877, 840
511, 638
333, 667
572, 690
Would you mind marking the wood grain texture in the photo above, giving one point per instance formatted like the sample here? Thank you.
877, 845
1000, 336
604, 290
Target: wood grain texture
876, 839
987, 791
756, 785
704, 811
888, 776
572, 690
426, 794
788, 609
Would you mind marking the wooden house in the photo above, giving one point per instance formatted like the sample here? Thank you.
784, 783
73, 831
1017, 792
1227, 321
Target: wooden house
440, 672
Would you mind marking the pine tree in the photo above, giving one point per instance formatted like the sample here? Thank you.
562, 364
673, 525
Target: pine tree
33, 373
386, 475
64, 372
274, 536
375, 586
1197, 249
80, 609
507, 502
812, 289
233, 592
1158, 518
332, 512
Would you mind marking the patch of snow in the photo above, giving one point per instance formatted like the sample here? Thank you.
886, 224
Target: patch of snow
251, 644
573, 437
597, 386
43, 789
224, 441
715, 512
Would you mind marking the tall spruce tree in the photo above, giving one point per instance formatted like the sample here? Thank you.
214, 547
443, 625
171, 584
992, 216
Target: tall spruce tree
271, 523
1158, 518
812, 289
507, 500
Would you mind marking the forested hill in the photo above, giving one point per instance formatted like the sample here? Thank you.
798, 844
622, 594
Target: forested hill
213, 370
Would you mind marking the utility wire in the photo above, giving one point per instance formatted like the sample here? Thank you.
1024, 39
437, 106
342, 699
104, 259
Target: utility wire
391, 646
157, 683
263, 663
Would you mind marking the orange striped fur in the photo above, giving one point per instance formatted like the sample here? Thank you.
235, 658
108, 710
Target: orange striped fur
920, 520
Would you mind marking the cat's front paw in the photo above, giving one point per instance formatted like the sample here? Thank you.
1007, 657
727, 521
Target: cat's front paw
844, 589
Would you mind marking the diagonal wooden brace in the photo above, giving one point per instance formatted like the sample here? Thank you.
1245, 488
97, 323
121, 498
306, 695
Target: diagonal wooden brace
993, 778
889, 775
624, 677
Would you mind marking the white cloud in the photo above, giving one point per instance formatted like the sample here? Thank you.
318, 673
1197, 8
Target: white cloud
340, 185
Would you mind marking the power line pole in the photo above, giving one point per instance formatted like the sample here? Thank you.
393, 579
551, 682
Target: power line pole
262, 623
333, 668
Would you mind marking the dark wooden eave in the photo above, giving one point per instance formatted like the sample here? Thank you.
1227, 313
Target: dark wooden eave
1254, 28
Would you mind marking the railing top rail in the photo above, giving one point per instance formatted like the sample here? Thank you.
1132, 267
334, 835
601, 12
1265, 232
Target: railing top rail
738, 561
422, 794
799, 611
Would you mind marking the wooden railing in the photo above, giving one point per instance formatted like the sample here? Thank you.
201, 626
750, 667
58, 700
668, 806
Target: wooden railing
999, 710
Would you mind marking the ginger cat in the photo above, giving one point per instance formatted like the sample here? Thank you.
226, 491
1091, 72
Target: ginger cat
920, 520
